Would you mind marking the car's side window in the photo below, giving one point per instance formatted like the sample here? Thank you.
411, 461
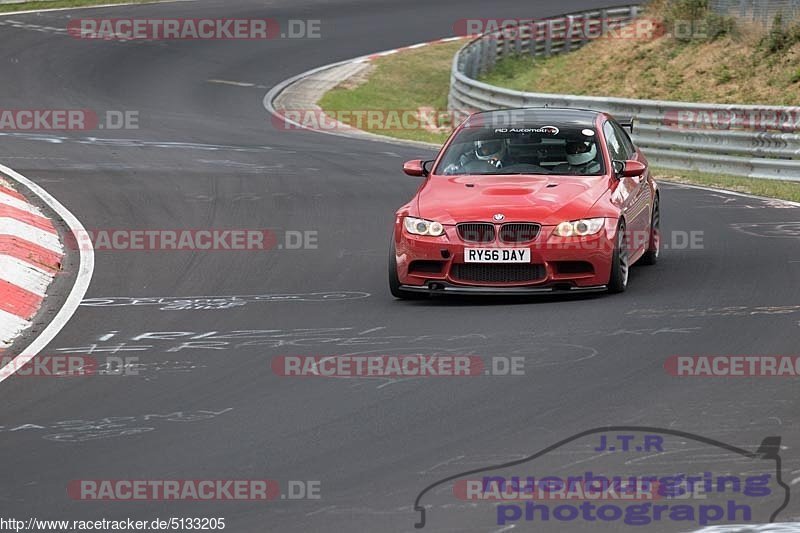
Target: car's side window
615, 147
626, 140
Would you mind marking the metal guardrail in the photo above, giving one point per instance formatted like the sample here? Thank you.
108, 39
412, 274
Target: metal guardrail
742, 140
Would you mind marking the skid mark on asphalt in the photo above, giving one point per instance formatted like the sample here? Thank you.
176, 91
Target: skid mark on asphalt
241, 197
730, 311
141, 143
785, 230
18, 24
151, 370
206, 303
741, 202
464, 461
109, 427
773, 203
349, 337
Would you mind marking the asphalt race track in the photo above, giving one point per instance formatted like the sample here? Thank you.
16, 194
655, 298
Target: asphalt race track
206, 404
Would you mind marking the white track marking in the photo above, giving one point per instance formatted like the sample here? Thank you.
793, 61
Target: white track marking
234, 83
26, 232
76, 294
99, 6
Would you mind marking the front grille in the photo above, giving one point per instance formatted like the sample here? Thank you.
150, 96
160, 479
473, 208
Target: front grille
511, 273
519, 232
476, 232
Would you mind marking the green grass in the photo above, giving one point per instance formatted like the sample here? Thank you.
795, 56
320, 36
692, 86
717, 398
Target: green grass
733, 69
29, 6
404, 81
785, 190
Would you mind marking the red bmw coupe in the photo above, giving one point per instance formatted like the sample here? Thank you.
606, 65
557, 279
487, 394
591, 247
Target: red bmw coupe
527, 201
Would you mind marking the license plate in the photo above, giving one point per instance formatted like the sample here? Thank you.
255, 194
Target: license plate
497, 255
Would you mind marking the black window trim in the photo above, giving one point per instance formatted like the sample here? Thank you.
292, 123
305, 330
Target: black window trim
627, 142
613, 156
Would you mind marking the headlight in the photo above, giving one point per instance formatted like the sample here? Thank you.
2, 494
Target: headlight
418, 226
579, 228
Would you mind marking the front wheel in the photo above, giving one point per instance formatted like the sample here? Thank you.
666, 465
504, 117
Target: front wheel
620, 265
394, 280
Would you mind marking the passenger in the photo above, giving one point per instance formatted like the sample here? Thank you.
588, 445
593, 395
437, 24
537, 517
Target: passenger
581, 159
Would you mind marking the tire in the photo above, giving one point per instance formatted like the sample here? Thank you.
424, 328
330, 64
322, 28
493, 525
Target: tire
620, 264
650, 257
394, 280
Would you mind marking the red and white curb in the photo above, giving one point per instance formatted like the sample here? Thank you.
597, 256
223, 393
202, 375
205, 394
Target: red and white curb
30, 258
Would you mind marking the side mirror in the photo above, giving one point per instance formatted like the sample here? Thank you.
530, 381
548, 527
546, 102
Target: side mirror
629, 168
416, 168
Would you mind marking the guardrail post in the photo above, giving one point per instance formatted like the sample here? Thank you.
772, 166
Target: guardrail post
548, 39
474, 62
483, 52
604, 22
491, 45
568, 34
582, 24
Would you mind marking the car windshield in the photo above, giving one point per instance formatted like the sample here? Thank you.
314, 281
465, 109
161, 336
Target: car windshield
479, 149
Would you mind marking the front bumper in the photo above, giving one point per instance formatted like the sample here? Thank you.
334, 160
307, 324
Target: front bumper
426, 264
435, 287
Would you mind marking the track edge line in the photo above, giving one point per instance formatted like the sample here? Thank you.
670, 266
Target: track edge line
79, 288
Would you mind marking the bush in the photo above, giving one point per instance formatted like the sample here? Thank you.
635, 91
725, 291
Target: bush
780, 37
692, 20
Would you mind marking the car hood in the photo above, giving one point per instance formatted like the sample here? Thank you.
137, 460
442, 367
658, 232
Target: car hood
547, 200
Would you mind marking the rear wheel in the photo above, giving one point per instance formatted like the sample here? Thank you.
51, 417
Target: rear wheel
620, 263
394, 280
650, 257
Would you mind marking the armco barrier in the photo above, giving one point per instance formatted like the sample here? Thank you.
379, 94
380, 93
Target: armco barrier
742, 140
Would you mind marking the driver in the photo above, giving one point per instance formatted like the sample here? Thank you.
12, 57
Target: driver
581, 158
491, 151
